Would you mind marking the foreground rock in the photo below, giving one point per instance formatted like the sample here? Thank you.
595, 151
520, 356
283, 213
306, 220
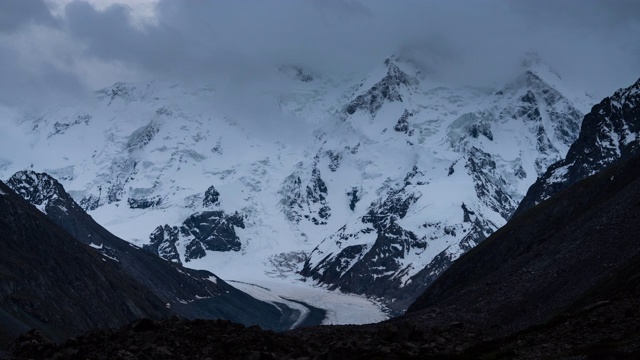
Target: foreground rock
199, 339
604, 330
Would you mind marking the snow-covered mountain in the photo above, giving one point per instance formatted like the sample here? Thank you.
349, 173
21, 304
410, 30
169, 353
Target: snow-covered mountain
461, 160
370, 185
609, 134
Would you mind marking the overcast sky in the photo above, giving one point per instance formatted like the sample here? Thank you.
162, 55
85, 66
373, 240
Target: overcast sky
56, 50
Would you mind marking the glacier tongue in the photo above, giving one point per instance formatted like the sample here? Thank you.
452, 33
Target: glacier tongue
370, 186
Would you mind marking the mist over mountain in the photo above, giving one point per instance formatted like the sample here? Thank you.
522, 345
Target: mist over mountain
68, 48
331, 162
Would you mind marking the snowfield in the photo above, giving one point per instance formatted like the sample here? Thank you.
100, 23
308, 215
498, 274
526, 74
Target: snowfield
370, 185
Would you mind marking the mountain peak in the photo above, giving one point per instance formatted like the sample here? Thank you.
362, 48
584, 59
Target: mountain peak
628, 92
609, 133
387, 88
536, 69
403, 65
37, 188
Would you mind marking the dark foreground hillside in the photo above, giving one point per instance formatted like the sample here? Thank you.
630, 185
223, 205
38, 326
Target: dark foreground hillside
52, 282
560, 281
188, 293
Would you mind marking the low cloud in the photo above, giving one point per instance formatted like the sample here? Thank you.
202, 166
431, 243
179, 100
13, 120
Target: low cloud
594, 44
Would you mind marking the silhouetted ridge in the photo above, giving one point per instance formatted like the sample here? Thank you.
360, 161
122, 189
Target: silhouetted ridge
54, 283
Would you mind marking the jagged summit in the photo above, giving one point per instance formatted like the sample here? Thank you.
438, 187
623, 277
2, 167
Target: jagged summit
628, 96
39, 189
548, 113
392, 87
535, 72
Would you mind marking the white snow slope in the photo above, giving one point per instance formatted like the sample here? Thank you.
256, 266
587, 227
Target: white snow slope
313, 166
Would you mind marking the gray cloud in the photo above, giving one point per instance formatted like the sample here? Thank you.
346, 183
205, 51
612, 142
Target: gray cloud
33, 87
594, 44
29, 79
16, 14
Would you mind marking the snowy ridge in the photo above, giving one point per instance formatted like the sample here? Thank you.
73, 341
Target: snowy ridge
609, 133
369, 185
439, 172
41, 191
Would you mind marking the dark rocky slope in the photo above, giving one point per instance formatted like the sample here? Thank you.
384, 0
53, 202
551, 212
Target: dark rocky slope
50, 281
561, 281
188, 293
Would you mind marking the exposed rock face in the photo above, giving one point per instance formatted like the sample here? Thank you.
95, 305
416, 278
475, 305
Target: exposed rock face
403, 123
305, 201
144, 203
387, 89
489, 184
547, 113
62, 127
142, 136
352, 194
163, 243
211, 197
360, 268
610, 132
209, 230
